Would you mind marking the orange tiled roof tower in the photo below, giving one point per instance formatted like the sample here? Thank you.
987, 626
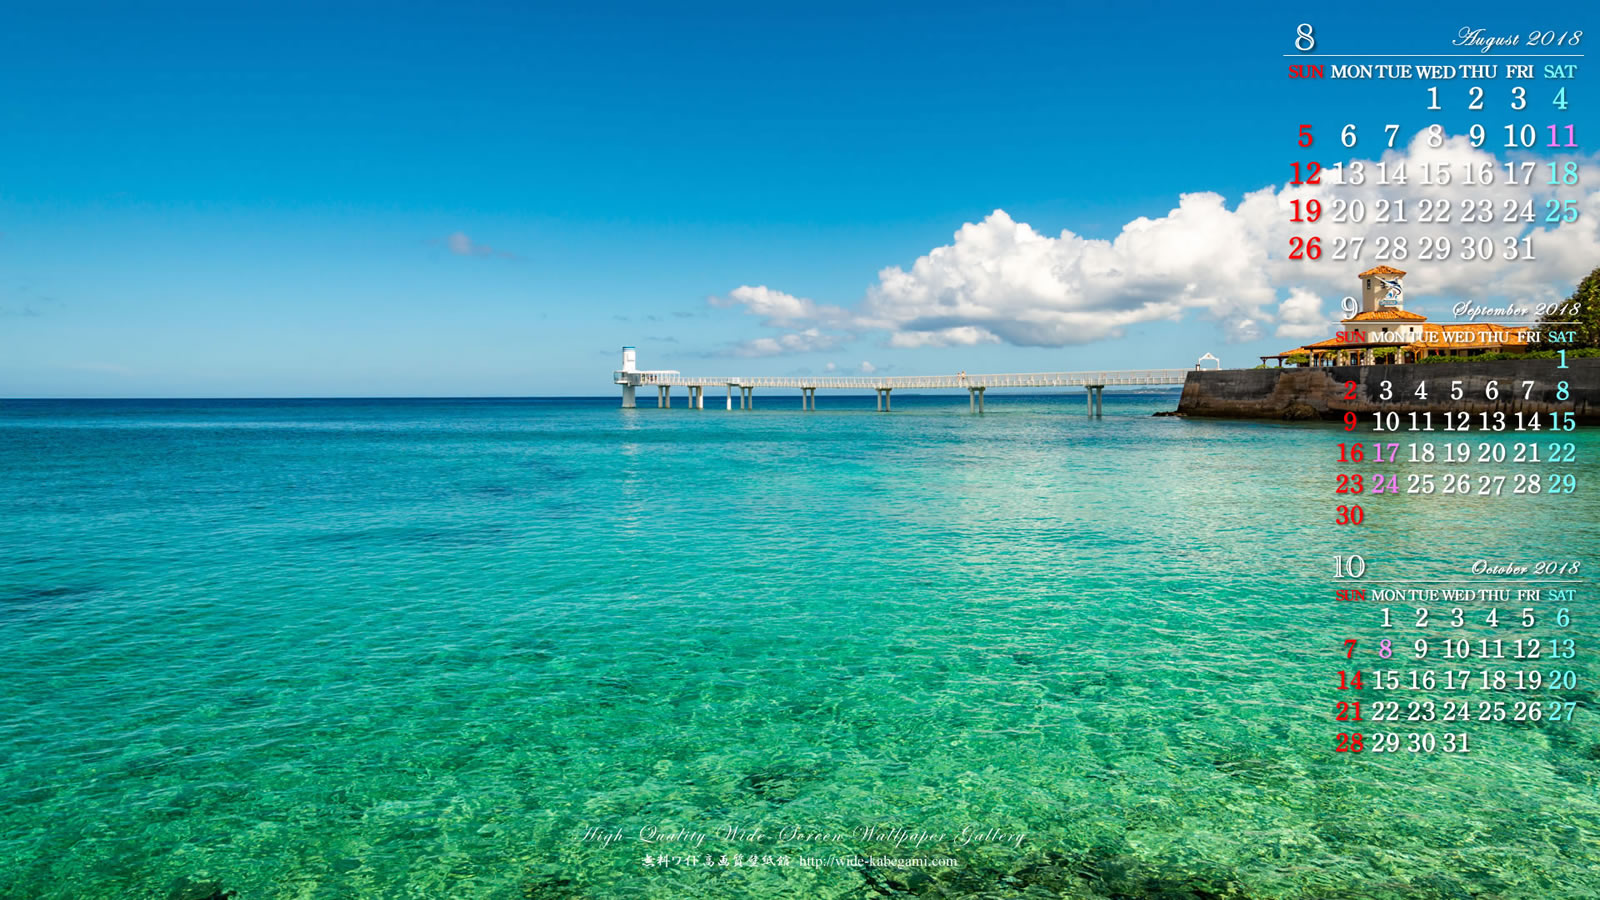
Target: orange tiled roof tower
1383, 330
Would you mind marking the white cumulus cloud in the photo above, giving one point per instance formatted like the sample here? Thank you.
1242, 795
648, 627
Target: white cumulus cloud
780, 309
956, 336
809, 340
1301, 316
1003, 280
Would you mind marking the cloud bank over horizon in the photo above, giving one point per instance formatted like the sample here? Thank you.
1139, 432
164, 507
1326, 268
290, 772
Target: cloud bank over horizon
1003, 281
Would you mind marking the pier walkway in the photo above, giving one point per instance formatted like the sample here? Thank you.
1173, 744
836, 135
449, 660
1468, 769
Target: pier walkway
631, 378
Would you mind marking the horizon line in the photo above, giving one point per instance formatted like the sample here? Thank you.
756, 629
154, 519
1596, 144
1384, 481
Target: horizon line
909, 392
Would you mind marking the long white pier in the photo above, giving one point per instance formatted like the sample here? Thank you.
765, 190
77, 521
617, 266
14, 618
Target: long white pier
631, 378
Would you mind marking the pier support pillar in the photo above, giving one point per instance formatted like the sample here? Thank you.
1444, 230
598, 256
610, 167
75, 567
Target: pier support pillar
884, 403
730, 396
1095, 399
627, 397
975, 399
661, 397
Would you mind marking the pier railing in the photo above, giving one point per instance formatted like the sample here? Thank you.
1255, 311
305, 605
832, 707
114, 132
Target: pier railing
930, 382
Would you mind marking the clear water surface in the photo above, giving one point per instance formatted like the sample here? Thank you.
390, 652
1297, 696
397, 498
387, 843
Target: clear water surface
334, 649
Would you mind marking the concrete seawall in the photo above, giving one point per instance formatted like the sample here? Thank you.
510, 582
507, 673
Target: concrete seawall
1320, 393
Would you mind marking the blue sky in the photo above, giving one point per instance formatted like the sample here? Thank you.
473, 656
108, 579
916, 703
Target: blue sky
402, 199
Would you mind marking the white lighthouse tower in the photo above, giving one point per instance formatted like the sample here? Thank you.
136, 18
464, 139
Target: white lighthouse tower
627, 376
631, 376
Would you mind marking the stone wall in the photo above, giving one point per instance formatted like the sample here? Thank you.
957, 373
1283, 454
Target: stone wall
1293, 393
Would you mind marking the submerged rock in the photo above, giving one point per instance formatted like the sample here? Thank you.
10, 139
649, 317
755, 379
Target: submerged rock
192, 889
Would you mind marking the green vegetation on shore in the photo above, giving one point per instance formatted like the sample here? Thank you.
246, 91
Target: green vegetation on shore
1578, 353
1581, 313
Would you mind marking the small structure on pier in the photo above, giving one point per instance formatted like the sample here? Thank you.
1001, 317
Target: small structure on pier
630, 377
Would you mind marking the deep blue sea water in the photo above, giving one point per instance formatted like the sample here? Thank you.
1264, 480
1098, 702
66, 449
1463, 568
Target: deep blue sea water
436, 648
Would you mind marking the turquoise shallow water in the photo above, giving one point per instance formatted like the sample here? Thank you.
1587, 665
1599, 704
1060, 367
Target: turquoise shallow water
334, 649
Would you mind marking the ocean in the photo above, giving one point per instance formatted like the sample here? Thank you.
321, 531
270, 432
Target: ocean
527, 648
